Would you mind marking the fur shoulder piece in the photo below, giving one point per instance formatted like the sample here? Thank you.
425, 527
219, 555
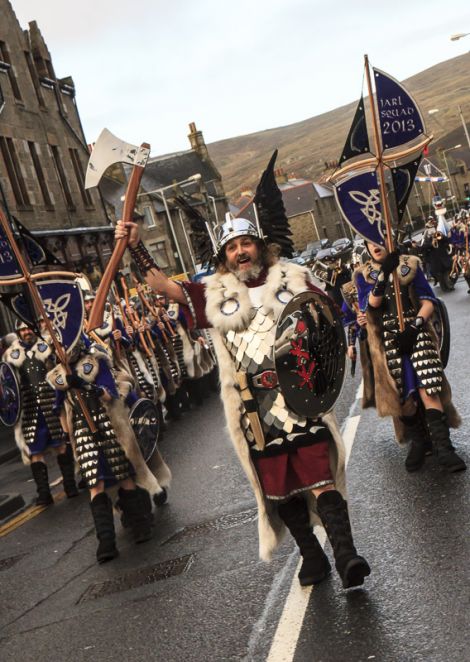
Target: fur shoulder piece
228, 304
407, 268
105, 330
284, 281
369, 271
87, 368
15, 355
57, 378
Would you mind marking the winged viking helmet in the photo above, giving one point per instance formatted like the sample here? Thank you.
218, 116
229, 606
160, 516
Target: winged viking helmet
270, 222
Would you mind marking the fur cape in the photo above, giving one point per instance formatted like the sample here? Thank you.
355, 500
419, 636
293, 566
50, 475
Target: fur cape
219, 287
153, 481
382, 391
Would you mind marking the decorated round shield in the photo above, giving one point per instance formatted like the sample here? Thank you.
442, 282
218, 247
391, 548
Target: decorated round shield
145, 419
10, 396
440, 322
310, 354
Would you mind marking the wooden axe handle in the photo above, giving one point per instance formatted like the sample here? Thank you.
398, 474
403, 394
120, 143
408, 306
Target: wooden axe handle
250, 408
95, 319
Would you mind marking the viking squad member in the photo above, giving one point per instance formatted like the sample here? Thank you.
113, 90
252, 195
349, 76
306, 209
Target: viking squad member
110, 455
409, 379
299, 473
39, 428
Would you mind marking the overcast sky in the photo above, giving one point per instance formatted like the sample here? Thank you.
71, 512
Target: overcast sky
145, 69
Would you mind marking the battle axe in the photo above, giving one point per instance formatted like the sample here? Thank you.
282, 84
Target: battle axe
107, 151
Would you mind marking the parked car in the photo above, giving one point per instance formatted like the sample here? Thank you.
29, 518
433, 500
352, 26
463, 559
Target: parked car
342, 246
297, 259
308, 255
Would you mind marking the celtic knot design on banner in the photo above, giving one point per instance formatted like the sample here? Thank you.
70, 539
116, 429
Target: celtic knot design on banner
371, 206
57, 312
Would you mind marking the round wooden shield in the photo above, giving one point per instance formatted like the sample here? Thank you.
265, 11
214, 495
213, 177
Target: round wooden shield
310, 354
10, 396
145, 419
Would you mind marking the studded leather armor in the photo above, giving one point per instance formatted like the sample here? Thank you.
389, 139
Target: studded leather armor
32, 364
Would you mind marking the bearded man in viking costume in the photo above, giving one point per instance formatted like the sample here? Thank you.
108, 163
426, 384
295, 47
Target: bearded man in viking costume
295, 463
409, 379
39, 428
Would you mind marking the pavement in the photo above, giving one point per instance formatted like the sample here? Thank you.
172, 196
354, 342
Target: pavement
197, 591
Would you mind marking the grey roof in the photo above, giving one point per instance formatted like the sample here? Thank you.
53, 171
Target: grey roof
298, 197
164, 170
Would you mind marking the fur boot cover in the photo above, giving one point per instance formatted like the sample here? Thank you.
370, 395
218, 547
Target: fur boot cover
219, 287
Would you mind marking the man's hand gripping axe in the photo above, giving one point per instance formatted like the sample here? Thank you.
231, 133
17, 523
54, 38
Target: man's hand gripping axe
107, 151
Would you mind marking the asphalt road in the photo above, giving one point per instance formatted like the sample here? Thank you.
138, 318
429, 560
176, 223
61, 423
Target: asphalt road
198, 592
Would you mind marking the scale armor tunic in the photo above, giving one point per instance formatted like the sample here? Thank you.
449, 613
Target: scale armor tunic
38, 398
252, 352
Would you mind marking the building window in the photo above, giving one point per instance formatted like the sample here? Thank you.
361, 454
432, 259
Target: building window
318, 206
14, 172
325, 232
62, 177
77, 167
149, 218
5, 57
34, 79
160, 254
40, 175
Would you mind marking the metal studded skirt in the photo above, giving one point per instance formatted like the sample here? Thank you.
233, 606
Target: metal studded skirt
424, 359
100, 457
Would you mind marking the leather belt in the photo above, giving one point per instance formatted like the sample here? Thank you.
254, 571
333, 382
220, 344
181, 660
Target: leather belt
267, 379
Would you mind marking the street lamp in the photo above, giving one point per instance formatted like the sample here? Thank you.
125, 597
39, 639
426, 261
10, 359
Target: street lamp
161, 192
211, 197
433, 111
454, 197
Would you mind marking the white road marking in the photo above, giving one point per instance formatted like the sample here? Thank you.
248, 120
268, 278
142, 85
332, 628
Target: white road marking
288, 629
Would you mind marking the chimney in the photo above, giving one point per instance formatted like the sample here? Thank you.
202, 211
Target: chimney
197, 142
280, 176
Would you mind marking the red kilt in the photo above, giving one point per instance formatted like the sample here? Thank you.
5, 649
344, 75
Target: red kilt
303, 468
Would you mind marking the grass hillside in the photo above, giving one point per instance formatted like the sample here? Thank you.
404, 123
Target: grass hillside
305, 146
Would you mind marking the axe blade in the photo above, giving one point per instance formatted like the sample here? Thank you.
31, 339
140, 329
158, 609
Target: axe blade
108, 150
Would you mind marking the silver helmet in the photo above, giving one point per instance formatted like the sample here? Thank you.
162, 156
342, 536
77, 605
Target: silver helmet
231, 228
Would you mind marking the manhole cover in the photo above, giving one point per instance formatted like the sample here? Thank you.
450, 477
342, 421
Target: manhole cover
139, 577
10, 561
221, 523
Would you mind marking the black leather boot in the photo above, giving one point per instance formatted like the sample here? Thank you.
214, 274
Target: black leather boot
416, 434
67, 468
315, 567
102, 511
41, 478
333, 511
439, 433
136, 506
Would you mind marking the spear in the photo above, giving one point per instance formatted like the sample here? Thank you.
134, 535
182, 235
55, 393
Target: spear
383, 194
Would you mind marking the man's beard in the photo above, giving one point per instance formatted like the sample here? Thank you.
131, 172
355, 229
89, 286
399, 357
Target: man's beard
246, 274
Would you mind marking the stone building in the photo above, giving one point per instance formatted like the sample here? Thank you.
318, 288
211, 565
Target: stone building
310, 207
43, 151
166, 230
